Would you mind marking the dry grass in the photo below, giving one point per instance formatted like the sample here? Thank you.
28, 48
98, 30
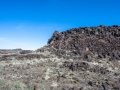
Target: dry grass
48, 73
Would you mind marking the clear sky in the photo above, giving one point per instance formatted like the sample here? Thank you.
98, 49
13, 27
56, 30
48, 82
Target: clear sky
28, 24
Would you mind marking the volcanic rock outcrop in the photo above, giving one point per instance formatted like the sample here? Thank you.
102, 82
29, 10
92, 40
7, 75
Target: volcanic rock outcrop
103, 41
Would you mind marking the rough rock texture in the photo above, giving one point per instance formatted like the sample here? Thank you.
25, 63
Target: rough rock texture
102, 40
83, 66
76, 65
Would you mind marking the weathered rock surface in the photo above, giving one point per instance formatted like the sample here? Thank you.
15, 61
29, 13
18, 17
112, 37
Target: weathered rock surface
102, 40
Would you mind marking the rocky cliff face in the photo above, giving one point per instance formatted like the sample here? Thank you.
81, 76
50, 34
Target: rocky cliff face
103, 41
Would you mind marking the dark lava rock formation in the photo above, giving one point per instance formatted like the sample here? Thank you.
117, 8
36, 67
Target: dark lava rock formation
93, 50
103, 41
82, 66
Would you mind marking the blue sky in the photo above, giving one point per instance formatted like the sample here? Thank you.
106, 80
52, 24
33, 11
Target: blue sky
28, 24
